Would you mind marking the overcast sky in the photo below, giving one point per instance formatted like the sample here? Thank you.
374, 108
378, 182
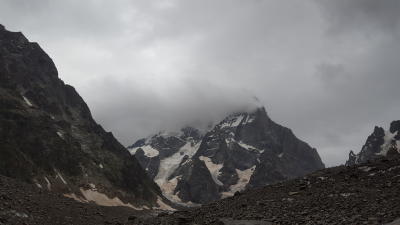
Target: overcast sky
329, 70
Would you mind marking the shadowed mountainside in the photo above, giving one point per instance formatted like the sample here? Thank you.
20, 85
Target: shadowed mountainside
48, 136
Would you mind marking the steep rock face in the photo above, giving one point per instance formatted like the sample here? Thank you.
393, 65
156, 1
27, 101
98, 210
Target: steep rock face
160, 155
244, 150
48, 136
381, 143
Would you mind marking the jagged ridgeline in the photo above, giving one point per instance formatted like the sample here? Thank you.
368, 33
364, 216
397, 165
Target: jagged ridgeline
244, 150
48, 136
381, 143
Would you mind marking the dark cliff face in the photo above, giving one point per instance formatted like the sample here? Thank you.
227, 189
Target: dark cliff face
380, 143
48, 136
245, 150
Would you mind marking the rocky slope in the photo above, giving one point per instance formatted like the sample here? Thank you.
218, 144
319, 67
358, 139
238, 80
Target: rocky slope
380, 143
361, 194
368, 193
22, 203
245, 150
48, 136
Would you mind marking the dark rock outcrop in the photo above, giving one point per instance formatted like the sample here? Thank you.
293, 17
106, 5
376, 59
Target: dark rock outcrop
245, 150
163, 154
48, 136
380, 143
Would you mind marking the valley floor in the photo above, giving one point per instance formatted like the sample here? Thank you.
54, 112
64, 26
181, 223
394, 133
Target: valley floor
365, 194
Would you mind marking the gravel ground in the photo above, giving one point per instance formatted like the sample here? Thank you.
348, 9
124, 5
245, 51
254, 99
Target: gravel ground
25, 204
365, 194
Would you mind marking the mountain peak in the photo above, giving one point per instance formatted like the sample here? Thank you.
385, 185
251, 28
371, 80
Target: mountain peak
381, 143
245, 149
395, 127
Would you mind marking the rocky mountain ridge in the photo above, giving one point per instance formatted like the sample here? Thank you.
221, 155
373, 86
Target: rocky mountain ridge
381, 143
49, 138
245, 150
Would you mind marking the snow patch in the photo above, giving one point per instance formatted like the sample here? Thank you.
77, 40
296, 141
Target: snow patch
29, 103
249, 119
61, 177
248, 147
232, 123
168, 165
76, 198
92, 195
48, 183
393, 168
168, 188
365, 168
147, 149
163, 206
60, 134
213, 168
237, 121
18, 214
226, 194
244, 178
345, 195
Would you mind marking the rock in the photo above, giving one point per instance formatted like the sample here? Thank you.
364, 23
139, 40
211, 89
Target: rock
376, 146
131, 218
48, 136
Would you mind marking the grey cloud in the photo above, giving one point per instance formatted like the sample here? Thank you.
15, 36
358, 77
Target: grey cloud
326, 69
365, 16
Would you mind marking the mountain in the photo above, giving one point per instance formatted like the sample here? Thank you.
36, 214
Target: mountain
381, 143
161, 155
48, 136
245, 150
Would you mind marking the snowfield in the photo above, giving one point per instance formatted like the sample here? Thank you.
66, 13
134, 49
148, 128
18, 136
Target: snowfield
169, 165
213, 168
147, 149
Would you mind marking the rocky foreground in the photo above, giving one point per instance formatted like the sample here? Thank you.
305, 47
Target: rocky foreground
26, 204
364, 194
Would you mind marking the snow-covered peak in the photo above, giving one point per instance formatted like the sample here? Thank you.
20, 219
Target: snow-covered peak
232, 121
380, 143
230, 156
163, 138
241, 118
